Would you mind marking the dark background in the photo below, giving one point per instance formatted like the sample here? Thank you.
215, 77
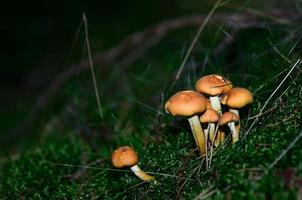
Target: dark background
37, 39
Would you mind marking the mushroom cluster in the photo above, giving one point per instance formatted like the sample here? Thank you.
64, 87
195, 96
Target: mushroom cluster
204, 110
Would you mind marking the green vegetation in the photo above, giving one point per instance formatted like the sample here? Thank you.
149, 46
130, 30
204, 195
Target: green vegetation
68, 156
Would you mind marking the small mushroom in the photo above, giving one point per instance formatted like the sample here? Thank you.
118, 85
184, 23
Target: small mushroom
126, 156
230, 118
220, 135
213, 85
210, 117
188, 104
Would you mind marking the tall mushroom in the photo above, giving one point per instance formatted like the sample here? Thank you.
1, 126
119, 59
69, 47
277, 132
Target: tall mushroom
230, 119
188, 104
213, 85
126, 156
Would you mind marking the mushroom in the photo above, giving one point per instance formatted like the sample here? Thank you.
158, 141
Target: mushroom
188, 104
213, 85
237, 98
230, 118
220, 134
126, 156
210, 117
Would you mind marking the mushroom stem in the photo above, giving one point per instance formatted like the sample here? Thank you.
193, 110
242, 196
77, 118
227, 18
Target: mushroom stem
215, 103
206, 133
222, 136
219, 138
211, 131
237, 128
141, 174
234, 111
198, 134
235, 132
212, 145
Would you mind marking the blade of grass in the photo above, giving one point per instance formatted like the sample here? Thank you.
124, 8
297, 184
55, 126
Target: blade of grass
297, 63
180, 70
143, 104
96, 90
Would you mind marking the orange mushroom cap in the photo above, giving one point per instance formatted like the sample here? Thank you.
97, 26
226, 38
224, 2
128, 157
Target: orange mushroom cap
186, 103
124, 156
228, 117
213, 85
209, 116
237, 97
